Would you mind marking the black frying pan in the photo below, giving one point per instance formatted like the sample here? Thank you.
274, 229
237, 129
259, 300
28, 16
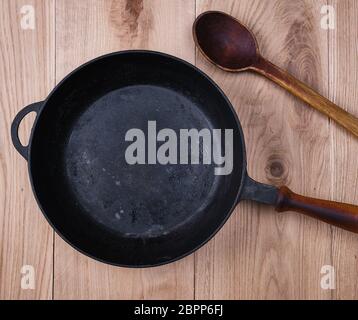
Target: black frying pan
140, 215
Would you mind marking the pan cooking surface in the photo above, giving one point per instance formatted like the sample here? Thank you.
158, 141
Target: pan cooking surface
131, 215
136, 200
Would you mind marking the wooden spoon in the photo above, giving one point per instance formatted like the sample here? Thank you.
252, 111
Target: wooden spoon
228, 44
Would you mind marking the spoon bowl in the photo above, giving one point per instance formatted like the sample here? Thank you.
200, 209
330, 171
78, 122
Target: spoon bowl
225, 41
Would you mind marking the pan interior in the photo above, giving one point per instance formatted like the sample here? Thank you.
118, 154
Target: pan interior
140, 200
141, 214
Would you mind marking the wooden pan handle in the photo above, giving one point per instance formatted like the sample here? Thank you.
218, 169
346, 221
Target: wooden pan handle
307, 94
338, 214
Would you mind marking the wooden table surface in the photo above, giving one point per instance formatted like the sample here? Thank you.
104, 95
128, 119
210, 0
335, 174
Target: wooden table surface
259, 254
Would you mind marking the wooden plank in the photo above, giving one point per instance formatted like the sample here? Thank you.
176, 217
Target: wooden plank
343, 90
86, 29
260, 254
27, 75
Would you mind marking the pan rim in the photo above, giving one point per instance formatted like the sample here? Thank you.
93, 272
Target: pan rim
242, 141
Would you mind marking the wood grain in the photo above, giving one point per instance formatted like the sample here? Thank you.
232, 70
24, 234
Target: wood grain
343, 76
26, 75
261, 254
85, 30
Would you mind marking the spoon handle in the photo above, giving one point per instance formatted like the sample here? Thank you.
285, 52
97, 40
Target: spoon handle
307, 94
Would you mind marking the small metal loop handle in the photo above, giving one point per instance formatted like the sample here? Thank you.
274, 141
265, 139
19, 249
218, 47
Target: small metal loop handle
23, 150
